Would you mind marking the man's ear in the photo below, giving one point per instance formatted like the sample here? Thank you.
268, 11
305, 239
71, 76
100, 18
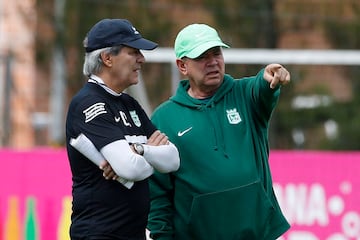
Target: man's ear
106, 59
181, 66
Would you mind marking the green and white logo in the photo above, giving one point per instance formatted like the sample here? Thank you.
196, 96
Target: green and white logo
233, 116
135, 118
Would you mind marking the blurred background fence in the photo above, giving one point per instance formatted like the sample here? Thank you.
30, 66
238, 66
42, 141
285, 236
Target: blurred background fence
318, 41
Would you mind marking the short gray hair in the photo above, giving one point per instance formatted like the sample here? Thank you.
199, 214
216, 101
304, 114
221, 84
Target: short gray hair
93, 63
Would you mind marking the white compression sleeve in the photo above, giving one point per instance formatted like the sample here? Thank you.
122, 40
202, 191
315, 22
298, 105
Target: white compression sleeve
164, 158
125, 162
88, 149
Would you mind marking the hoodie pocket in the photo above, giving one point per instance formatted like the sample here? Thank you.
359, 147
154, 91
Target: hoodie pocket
239, 213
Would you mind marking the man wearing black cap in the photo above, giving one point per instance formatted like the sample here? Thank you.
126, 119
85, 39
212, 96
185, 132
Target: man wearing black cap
123, 136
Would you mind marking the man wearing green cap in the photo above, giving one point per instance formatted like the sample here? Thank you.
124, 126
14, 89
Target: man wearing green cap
223, 188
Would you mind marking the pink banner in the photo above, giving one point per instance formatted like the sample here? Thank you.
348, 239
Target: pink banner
318, 192
41, 175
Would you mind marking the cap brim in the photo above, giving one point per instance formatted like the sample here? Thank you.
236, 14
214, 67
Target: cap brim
142, 43
196, 52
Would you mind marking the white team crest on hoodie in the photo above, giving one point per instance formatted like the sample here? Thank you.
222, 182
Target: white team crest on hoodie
135, 118
233, 116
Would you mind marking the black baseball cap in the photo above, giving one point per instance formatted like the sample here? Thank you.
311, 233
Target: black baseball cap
115, 32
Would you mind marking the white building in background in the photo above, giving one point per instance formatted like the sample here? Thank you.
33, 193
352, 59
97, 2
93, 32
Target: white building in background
17, 72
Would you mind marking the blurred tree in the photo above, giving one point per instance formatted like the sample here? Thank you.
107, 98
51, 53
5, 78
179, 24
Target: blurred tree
242, 24
344, 33
341, 25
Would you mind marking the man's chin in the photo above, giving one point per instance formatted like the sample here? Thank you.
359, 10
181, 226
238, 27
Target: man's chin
214, 75
135, 81
215, 78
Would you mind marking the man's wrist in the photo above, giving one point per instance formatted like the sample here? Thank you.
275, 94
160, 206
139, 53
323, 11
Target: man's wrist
139, 148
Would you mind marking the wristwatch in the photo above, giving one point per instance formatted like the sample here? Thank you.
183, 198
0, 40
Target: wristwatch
139, 148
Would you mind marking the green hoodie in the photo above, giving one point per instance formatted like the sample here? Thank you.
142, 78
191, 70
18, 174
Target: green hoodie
223, 188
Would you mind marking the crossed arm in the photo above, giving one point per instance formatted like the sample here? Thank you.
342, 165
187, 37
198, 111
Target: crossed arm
119, 161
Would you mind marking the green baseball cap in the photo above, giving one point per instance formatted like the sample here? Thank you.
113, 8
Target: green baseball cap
195, 39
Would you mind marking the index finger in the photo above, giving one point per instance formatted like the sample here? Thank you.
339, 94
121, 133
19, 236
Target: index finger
275, 80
